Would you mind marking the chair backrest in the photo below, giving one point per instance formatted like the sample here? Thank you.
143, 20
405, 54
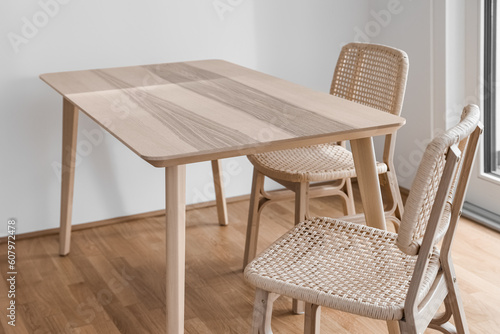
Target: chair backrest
432, 211
374, 75
433, 190
371, 74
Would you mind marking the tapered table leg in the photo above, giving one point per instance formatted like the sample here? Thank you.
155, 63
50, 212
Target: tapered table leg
70, 129
175, 195
369, 185
220, 199
253, 218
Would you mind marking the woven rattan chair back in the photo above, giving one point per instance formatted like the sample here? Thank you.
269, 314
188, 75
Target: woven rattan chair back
424, 190
374, 75
371, 74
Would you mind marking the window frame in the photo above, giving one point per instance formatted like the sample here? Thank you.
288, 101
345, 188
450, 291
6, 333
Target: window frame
490, 67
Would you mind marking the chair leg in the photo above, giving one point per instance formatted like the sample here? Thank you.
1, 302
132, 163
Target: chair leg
312, 318
253, 218
453, 307
301, 212
350, 209
395, 194
298, 306
453, 300
455, 303
262, 312
441, 321
393, 327
220, 199
301, 202
404, 327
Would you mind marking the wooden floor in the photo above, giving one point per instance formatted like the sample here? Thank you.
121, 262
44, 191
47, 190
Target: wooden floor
113, 279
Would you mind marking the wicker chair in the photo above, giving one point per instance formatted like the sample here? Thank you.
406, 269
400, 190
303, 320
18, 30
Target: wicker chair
401, 278
369, 74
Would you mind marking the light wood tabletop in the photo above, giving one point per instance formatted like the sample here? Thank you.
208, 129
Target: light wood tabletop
180, 113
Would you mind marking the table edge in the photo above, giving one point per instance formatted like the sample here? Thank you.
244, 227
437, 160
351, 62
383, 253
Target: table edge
275, 146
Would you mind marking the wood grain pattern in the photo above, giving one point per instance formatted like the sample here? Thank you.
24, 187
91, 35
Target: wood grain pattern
178, 113
114, 280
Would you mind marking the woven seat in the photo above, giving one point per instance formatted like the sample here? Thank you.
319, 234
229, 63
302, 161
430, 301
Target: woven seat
369, 74
402, 278
342, 265
309, 164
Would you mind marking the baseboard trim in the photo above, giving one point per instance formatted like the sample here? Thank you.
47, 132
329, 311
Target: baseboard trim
481, 216
119, 220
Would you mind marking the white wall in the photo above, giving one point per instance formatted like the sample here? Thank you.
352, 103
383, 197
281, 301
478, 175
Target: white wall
296, 40
406, 24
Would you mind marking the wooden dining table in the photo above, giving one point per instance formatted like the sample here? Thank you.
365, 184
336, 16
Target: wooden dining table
175, 114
